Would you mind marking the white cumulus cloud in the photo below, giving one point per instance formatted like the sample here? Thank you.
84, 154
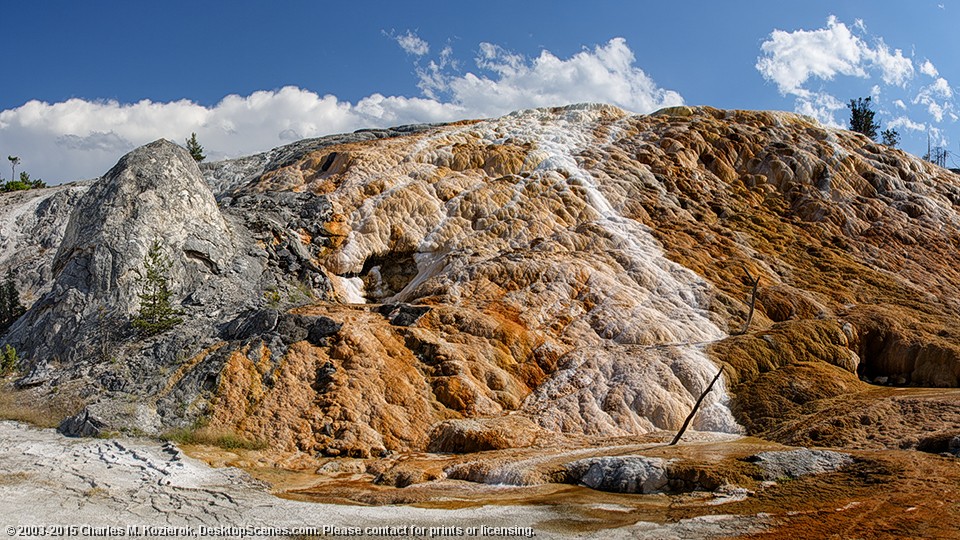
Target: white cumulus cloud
822, 107
605, 73
927, 68
412, 44
813, 66
937, 98
78, 138
895, 69
791, 59
902, 122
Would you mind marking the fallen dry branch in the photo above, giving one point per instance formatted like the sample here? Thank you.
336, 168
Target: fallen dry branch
755, 282
695, 407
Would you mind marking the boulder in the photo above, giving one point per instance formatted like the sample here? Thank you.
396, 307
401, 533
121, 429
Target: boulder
82, 424
154, 194
250, 324
799, 462
620, 474
403, 314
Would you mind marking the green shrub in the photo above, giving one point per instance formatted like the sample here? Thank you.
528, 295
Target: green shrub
22, 184
8, 360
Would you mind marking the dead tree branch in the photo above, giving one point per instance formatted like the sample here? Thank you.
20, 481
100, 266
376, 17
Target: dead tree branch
695, 407
754, 282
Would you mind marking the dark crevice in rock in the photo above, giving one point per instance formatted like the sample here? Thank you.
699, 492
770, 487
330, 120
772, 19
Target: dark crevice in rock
213, 267
403, 314
891, 359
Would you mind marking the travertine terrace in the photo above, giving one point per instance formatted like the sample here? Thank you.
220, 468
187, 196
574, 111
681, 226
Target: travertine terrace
540, 285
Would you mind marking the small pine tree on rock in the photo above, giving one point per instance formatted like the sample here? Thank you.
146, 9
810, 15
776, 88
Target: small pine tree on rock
10, 307
157, 314
890, 137
196, 151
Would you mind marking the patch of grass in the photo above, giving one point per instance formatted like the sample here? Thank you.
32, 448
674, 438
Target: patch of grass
96, 492
12, 479
272, 296
23, 406
221, 438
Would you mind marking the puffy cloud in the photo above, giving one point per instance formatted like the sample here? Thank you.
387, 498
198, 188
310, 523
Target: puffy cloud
412, 44
790, 59
902, 122
822, 107
937, 98
895, 69
78, 139
927, 68
941, 88
812, 66
606, 73
937, 137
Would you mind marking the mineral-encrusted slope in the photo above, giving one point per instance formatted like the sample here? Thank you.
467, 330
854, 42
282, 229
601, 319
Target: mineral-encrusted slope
568, 272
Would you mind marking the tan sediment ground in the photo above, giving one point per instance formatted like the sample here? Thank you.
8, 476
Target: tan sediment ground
49, 483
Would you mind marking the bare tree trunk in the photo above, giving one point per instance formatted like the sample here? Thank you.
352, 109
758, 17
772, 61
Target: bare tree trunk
695, 407
755, 281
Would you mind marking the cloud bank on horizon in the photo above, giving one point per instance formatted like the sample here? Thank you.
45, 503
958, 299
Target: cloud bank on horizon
802, 63
77, 139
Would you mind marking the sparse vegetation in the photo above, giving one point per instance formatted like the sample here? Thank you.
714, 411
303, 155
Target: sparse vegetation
22, 406
8, 360
157, 314
937, 155
272, 296
221, 438
25, 182
14, 161
862, 121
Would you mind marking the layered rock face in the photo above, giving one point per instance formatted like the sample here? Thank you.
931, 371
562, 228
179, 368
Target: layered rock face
555, 273
154, 194
31, 228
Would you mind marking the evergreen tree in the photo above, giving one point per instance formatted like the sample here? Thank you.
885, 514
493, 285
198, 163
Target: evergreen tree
196, 151
890, 137
157, 315
861, 117
10, 307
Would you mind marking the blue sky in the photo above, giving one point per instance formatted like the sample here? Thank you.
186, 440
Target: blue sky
85, 82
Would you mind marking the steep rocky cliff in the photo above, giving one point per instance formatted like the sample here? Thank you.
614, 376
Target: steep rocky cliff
571, 273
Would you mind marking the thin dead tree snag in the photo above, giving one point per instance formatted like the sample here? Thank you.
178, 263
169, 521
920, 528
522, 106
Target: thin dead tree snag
695, 407
754, 282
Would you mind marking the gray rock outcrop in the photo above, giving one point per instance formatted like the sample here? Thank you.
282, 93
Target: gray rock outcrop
799, 462
82, 424
32, 225
80, 326
155, 193
621, 474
